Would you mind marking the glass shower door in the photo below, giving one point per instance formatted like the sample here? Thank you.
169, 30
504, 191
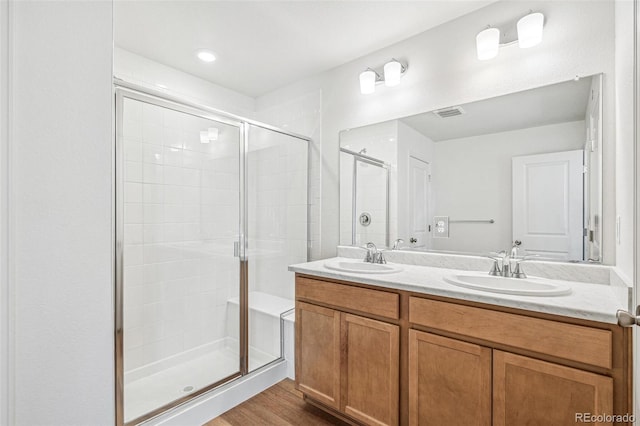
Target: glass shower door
178, 210
276, 233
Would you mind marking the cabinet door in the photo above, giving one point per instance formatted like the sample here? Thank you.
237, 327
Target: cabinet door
449, 381
533, 392
318, 353
372, 353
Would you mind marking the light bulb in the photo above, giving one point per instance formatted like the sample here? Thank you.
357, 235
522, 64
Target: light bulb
488, 43
392, 73
530, 30
367, 82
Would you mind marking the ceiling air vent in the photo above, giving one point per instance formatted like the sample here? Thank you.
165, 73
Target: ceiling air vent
449, 112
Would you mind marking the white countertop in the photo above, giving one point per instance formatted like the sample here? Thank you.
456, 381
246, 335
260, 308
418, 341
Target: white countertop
595, 302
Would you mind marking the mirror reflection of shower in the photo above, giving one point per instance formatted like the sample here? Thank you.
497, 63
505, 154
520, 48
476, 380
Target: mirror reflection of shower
368, 197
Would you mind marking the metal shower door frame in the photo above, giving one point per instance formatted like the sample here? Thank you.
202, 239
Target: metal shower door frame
357, 157
124, 90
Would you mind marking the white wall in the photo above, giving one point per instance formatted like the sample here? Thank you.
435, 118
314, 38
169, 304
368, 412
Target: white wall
471, 179
624, 49
444, 70
5, 305
61, 192
137, 69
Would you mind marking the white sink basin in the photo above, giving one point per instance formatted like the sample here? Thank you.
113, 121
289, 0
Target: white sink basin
361, 267
518, 286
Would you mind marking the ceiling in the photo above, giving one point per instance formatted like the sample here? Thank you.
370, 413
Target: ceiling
265, 45
556, 103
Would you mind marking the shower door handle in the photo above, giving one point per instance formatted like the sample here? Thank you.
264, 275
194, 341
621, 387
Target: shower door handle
236, 249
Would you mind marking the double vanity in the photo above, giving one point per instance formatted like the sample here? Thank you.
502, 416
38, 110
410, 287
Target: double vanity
434, 339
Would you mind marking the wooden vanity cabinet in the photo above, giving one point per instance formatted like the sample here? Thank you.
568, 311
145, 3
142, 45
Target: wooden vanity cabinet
534, 392
348, 362
393, 357
449, 381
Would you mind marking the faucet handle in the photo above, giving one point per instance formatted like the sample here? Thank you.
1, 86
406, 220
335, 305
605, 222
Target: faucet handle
397, 243
495, 269
517, 270
379, 257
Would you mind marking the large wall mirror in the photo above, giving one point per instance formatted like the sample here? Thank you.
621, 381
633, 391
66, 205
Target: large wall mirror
474, 178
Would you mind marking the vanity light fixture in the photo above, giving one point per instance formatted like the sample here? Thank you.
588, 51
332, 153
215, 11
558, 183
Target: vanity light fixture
368, 80
530, 30
392, 70
529, 34
488, 43
206, 55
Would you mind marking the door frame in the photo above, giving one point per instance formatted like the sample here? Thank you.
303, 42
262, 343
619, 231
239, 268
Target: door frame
636, 204
6, 299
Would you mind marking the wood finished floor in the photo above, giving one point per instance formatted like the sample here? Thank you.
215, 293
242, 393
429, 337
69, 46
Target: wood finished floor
280, 405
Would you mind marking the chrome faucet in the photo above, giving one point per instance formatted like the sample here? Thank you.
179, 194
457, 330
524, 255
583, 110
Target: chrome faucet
373, 255
397, 243
502, 262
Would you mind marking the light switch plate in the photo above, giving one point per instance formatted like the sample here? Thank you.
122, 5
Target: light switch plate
441, 227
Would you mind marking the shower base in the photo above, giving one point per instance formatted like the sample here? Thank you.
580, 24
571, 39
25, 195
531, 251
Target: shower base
207, 364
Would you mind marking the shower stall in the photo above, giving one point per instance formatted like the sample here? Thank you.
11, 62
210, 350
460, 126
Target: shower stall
210, 210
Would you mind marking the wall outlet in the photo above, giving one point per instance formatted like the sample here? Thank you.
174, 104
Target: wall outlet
441, 227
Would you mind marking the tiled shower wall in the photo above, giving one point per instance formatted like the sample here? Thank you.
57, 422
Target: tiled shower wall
277, 210
181, 218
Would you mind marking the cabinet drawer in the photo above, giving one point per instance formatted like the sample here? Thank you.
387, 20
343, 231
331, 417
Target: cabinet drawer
572, 342
348, 297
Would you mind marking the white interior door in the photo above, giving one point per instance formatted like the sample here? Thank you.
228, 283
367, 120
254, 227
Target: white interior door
419, 189
548, 203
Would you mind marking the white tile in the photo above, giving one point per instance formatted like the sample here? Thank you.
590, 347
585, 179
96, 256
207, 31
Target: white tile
152, 114
173, 232
153, 154
152, 134
133, 213
133, 234
173, 213
173, 138
173, 175
192, 159
190, 195
153, 193
153, 213
173, 194
132, 151
191, 213
132, 130
153, 233
191, 177
133, 255
133, 275
172, 156
153, 173
132, 171
133, 192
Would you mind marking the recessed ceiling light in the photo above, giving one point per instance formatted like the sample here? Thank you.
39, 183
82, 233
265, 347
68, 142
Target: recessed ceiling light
206, 55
